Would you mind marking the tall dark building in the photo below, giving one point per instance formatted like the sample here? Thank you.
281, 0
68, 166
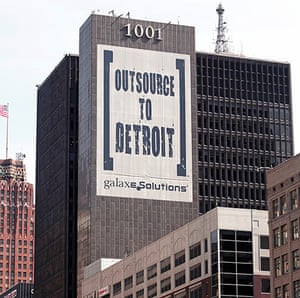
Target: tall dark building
244, 127
56, 182
164, 134
136, 169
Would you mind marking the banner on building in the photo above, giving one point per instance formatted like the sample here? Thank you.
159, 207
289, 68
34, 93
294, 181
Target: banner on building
144, 146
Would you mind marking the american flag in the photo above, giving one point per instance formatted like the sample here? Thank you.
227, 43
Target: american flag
4, 110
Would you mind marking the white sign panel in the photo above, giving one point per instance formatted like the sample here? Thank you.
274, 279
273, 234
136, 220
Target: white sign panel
144, 145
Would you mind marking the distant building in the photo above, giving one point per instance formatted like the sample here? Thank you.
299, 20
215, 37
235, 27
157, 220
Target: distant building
17, 217
20, 290
283, 183
56, 182
224, 253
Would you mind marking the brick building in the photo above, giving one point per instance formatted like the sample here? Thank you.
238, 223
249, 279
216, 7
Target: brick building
17, 214
283, 184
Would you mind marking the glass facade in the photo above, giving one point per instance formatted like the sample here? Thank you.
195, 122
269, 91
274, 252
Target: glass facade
244, 128
56, 182
233, 251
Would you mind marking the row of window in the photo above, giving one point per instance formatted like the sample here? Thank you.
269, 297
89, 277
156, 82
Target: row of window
193, 292
165, 265
285, 203
281, 264
12, 250
19, 265
242, 66
165, 284
12, 273
232, 192
249, 109
244, 175
284, 291
20, 242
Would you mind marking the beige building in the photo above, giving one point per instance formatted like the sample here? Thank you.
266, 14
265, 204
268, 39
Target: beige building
223, 253
283, 184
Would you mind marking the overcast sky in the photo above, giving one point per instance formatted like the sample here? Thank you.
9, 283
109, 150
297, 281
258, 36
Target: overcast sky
35, 35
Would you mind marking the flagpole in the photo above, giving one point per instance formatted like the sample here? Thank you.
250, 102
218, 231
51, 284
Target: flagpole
7, 132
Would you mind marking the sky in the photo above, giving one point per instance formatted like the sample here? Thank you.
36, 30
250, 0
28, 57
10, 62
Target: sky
36, 34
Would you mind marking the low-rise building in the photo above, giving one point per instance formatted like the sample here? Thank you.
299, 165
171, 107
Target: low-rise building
224, 253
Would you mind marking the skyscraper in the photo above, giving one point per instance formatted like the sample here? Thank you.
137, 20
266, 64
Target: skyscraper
137, 127
164, 134
244, 127
56, 182
17, 216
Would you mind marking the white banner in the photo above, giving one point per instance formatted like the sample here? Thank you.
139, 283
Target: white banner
144, 147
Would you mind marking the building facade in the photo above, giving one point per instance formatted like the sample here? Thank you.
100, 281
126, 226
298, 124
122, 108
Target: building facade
56, 182
17, 228
284, 213
21, 290
164, 134
241, 122
137, 127
244, 127
227, 258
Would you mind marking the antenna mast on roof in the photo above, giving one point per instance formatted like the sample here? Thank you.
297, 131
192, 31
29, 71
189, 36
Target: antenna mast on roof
222, 41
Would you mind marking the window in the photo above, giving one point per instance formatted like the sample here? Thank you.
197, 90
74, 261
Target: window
206, 266
179, 258
296, 261
283, 205
140, 293
179, 278
165, 265
293, 199
151, 271
265, 286
285, 264
264, 242
296, 288
195, 250
276, 236
284, 234
128, 282
275, 208
278, 292
195, 271
152, 291
205, 245
295, 229
285, 291
139, 277
196, 292
165, 285
277, 266
265, 264
117, 288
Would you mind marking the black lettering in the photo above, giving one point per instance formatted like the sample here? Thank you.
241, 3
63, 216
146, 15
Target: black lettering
119, 137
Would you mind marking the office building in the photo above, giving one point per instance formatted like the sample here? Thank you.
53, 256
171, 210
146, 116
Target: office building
17, 216
164, 134
22, 290
239, 111
284, 213
227, 258
56, 182
244, 127
137, 128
